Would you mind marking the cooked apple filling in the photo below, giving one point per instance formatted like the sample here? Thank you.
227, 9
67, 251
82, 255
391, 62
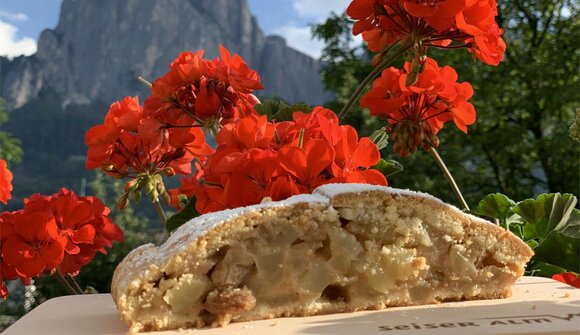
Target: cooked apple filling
313, 259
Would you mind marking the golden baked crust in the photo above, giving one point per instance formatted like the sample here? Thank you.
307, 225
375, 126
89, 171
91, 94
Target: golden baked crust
348, 247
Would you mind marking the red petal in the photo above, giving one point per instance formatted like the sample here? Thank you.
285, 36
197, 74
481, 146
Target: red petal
85, 234
320, 156
71, 248
568, 278
365, 154
22, 257
52, 254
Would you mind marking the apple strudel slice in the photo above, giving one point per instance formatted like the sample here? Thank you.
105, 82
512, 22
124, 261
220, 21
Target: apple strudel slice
347, 247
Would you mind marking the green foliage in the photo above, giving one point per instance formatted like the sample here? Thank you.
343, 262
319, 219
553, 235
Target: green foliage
56, 158
280, 111
549, 224
497, 206
186, 214
10, 149
388, 167
575, 127
547, 213
520, 142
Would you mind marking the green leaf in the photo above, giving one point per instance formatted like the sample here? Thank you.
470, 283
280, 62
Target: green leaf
279, 110
270, 107
560, 250
495, 206
285, 113
186, 214
549, 212
388, 167
572, 229
90, 290
537, 268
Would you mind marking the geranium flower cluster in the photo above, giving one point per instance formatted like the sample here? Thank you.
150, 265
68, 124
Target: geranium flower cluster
166, 135
62, 232
417, 112
257, 159
125, 146
209, 93
469, 23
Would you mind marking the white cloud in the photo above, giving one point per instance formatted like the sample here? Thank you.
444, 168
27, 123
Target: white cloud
11, 46
15, 17
316, 11
319, 9
300, 38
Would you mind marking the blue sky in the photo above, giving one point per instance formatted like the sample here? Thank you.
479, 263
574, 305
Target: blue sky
22, 21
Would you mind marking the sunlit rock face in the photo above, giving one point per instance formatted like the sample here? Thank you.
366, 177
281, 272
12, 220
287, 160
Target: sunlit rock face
99, 47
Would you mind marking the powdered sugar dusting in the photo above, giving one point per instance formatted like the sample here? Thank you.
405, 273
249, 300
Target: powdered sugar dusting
179, 240
477, 219
332, 190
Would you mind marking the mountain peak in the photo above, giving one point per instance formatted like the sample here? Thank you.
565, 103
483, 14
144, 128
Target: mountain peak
99, 47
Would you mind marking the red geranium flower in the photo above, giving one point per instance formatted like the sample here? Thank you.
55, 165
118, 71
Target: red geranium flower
129, 143
5, 182
60, 231
354, 160
203, 92
568, 278
133, 145
257, 159
35, 246
419, 111
235, 72
308, 163
85, 223
437, 23
8, 272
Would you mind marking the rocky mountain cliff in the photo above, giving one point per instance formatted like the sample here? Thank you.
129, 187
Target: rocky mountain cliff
100, 46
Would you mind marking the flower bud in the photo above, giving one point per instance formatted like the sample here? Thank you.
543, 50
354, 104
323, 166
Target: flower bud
160, 187
136, 195
422, 67
131, 185
416, 66
412, 78
123, 201
154, 195
148, 186
168, 171
166, 198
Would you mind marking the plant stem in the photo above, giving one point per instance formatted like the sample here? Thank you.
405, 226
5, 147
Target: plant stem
160, 212
60, 278
145, 81
376, 71
449, 177
74, 283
